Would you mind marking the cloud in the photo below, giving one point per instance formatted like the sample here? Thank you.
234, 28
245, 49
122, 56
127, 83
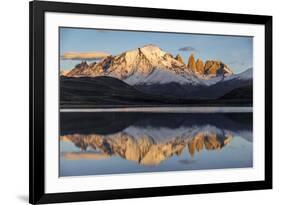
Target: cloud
187, 48
85, 155
96, 55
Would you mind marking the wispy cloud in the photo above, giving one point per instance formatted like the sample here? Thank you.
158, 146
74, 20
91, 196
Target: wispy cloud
187, 48
95, 55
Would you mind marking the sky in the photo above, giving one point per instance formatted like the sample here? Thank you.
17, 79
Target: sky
235, 51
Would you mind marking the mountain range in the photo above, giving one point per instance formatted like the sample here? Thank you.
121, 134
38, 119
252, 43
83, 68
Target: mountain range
150, 138
139, 65
150, 76
143, 150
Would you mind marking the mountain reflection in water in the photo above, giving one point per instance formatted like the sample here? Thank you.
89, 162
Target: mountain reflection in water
108, 143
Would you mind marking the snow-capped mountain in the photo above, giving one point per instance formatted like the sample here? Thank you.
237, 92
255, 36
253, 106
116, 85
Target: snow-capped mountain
149, 65
149, 75
246, 75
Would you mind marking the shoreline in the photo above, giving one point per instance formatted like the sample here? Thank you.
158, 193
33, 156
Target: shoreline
165, 109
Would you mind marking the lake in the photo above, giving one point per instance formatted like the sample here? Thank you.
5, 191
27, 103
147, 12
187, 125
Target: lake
119, 141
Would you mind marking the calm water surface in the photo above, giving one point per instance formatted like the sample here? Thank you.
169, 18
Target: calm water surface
96, 143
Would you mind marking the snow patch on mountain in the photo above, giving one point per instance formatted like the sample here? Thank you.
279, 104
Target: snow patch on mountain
164, 133
246, 75
211, 81
130, 57
160, 76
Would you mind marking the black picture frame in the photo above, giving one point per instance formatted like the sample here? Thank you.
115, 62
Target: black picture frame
37, 11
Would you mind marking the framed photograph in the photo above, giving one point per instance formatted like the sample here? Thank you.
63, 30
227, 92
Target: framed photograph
141, 102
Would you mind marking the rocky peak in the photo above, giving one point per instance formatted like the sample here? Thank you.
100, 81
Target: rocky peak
179, 58
82, 65
92, 64
200, 66
191, 63
168, 55
214, 68
63, 72
78, 69
210, 68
